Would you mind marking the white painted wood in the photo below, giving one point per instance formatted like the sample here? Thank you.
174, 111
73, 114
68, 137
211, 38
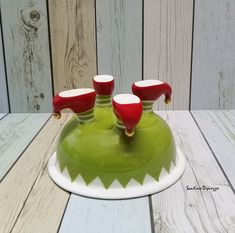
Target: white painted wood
16, 133
4, 107
119, 41
167, 47
213, 55
2, 115
29, 200
85, 215
180, 210
26, 42
73, 43
219, 130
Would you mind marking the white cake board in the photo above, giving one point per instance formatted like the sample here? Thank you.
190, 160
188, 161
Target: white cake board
150, 185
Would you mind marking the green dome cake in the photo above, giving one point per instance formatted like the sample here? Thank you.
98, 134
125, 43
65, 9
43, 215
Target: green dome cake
115, 148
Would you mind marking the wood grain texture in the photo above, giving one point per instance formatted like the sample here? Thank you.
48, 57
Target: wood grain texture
29, 200
213, 71
27, 55
219, 130
16, 133
4, 107
180, 210
73, 43
85, 215
167, 47
119, 41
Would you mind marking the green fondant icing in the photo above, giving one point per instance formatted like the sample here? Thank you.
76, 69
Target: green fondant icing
101, 149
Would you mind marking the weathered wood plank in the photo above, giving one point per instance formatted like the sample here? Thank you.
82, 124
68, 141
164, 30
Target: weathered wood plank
119, 41
2, 115
27, 55
16, 132
29, 200
219, 130
167, 47
4, 107
180, 210
213, 55
73, 42
103, 216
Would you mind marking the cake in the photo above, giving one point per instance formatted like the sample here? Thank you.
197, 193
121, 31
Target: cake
114, 143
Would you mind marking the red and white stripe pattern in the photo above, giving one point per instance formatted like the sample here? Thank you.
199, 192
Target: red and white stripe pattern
104, 86
150, 90
81, 101
128, 110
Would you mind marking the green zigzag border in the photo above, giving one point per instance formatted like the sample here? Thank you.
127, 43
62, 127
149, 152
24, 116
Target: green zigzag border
124, 179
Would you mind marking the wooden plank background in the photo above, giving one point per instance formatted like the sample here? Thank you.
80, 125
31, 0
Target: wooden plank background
213, 77
2, 115
219, 128
119, 41
98, 216
16, 132
200, 211
167, 47
33, 186
27, 55
73, 43
52, 46
4, 107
